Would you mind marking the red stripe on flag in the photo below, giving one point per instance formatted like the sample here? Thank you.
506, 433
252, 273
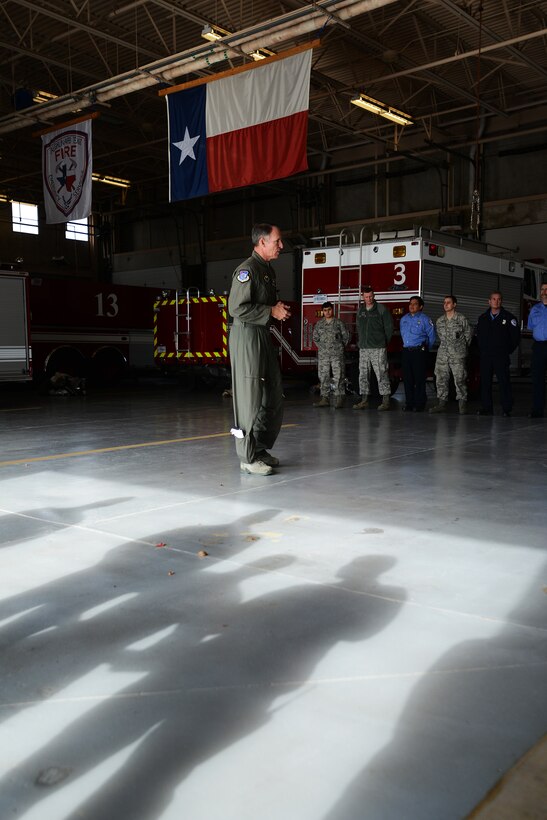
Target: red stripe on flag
259, 153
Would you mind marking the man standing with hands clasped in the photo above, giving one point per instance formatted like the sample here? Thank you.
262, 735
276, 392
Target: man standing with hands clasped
498, 335
331, 336
418, 336
374, 332
537, 323
256, 378
455, 334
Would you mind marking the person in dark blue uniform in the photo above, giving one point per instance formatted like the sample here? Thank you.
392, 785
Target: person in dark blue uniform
498, 336
418, 335
537, 323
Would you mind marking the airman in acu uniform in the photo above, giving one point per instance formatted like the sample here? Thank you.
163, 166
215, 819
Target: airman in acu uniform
331, 336
455, 334
256, 378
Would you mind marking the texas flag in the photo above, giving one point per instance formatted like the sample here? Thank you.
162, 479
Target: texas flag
240, 130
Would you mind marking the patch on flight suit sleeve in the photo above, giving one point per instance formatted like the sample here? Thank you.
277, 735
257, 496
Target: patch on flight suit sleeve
243, 276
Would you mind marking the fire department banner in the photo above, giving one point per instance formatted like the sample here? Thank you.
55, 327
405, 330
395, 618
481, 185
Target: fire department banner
67, 166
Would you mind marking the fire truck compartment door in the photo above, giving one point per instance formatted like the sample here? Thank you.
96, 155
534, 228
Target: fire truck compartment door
14, 345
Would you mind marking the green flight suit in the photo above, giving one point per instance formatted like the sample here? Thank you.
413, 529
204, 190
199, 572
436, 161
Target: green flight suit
256, 378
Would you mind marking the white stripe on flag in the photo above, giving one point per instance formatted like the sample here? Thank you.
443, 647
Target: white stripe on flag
263, 94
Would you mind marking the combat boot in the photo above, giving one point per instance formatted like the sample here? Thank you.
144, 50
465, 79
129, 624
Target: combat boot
361, 404
323, 402
266, 458
439, 408
385, 403
339, 402
256, 468
463, 407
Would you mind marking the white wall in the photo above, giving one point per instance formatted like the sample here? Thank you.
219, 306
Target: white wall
531, 240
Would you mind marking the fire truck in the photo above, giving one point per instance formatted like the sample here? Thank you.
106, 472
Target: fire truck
399, 265
15, 345
190, 330
75, 326
191, 338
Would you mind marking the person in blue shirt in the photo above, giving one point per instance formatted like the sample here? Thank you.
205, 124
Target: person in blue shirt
418, 335
537, 323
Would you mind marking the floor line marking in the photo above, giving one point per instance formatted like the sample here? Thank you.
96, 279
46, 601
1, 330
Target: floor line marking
119, 447
325, 584
19, 409
282, 684
281, 481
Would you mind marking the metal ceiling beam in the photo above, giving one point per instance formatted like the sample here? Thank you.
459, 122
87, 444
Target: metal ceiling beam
470, 21
431, 76
41, 58
285, 28
464, 56
94, 32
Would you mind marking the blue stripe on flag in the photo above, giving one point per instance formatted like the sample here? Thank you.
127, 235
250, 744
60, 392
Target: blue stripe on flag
187, 143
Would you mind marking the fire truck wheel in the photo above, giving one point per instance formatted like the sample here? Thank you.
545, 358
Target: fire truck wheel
66, 360
108, 366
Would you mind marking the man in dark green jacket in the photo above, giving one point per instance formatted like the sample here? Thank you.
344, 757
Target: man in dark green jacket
256, 378
374, 332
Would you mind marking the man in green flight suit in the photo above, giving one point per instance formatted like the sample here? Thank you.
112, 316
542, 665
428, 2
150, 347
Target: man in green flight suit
256, 378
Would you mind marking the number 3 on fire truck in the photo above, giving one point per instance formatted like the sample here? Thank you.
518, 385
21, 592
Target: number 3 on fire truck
400, 276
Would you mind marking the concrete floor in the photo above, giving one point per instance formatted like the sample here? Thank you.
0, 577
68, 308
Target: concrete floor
366, 637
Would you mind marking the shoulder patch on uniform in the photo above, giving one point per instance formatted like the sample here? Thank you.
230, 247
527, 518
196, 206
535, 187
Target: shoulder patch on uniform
243, 276
514, 322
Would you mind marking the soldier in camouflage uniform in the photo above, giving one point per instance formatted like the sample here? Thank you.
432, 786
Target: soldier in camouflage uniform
374, 332
454, 332
331, 337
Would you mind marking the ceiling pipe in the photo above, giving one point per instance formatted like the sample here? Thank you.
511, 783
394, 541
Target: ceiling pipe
278, 30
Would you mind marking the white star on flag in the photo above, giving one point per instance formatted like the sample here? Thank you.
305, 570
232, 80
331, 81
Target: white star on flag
186, 146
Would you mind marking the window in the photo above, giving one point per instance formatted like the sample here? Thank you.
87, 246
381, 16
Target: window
78, 229
24, 217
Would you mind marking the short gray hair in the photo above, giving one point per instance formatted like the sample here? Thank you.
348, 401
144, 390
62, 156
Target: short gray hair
260, 230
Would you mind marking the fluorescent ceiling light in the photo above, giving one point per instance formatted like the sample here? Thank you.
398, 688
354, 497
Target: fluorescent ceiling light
383, 110
43, 96
4, 198
108, 180
261, 54
213, 33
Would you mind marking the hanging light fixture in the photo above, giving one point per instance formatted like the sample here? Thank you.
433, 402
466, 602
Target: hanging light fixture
43, 96
383, 110
213, 33
108, 180
261, 54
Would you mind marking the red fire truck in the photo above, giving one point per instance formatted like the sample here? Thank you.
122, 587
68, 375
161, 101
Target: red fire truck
74, 326
15, 347
191, 337
191, 330
399, 265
